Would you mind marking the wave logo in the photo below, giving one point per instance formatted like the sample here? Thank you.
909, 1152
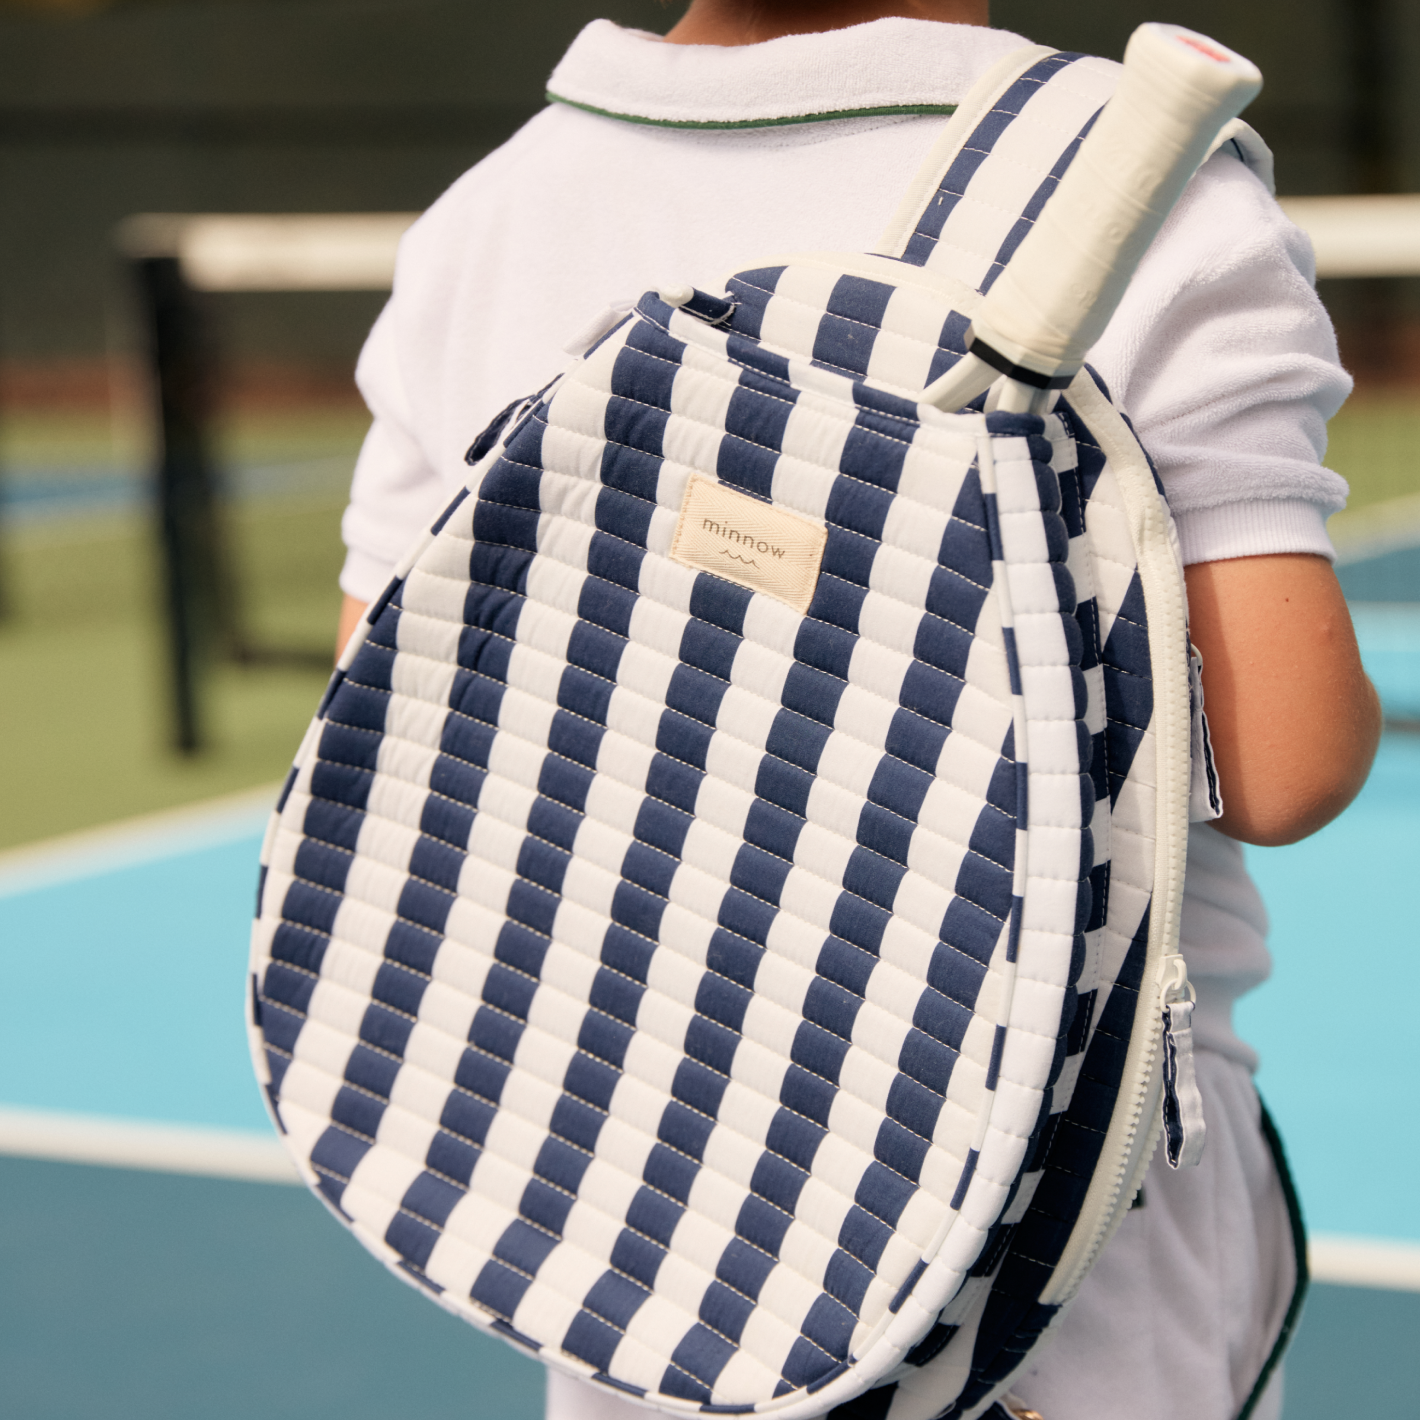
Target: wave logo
752, 543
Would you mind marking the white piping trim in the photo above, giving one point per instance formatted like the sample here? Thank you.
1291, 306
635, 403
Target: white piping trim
887, 63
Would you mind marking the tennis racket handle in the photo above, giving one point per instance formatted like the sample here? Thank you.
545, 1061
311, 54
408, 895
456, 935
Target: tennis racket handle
1057, 293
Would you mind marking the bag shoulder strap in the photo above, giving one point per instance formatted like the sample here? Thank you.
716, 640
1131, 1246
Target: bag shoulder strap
996, 161
1000, 156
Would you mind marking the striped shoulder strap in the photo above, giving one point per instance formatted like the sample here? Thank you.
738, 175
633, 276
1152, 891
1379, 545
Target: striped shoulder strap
971, 202
997, 161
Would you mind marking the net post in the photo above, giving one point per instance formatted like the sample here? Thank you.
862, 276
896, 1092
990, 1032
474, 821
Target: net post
184, 488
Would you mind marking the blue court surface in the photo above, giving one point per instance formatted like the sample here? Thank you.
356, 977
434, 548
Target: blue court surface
169, 1292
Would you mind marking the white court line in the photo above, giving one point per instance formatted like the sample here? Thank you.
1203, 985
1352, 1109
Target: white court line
1391, 1264
145, 1144
137, 840
1388, 1263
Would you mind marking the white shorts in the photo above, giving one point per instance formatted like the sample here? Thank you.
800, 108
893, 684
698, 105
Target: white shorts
1180, 1313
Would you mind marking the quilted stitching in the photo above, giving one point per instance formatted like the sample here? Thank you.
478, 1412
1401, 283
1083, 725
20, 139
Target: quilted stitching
704, 995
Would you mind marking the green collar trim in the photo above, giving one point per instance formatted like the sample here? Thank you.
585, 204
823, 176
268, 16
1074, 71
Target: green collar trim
826, 117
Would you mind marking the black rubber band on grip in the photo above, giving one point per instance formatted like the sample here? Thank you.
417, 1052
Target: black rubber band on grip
978, 347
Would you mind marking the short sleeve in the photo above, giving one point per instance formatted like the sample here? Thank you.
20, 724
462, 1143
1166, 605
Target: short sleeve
396, 492
1225, 359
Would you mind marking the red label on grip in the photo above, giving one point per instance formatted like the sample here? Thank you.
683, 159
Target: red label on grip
1204, 48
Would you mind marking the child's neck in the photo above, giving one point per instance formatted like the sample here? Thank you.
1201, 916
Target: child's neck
734, 22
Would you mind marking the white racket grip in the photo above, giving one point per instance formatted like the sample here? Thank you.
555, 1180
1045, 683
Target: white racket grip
1060, 288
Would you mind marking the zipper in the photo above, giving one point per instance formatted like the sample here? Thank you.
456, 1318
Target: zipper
1139, 1111
1124, 1170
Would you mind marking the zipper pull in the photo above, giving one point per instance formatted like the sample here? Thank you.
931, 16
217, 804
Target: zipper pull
1185, 1132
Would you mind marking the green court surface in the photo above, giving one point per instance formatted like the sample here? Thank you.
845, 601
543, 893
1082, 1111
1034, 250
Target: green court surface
83, 710
1354, 1356
1372, 442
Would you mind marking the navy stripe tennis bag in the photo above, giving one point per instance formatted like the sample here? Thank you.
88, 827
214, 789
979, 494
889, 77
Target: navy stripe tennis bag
720, 932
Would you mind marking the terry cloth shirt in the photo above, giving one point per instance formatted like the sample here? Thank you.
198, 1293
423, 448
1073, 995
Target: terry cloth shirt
661, 163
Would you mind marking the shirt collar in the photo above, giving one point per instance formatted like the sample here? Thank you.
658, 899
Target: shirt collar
883, 67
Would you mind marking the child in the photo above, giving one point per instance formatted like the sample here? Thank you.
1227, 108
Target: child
765, 126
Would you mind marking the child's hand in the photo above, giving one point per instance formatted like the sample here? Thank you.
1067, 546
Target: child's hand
1294, 720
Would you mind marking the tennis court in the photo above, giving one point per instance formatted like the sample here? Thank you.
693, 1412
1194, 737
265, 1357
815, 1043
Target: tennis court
168, 1289
157, 1262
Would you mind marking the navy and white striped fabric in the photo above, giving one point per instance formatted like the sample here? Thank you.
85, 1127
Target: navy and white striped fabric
726, 1003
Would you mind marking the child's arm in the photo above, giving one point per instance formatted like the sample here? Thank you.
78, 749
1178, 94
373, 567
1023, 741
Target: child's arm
351, 610
1294, 720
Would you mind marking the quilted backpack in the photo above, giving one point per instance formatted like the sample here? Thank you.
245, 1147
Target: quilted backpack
720, 931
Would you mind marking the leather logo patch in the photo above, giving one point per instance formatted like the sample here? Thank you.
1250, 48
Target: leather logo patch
753, 544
